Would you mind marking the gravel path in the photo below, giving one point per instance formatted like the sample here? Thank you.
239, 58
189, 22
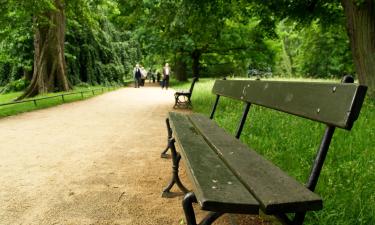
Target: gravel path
90, 162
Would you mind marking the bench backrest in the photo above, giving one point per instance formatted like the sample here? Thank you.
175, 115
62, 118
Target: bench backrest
335, 104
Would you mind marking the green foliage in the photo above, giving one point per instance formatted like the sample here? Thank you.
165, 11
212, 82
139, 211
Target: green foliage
243, 47
96, 52
312, 51
83, 85
304, 11
92, 41
16, 48
14, 86
330, 44
232, 37
212, 32
105, 38
9, 72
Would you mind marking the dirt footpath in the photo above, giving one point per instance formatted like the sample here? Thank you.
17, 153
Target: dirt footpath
90, 162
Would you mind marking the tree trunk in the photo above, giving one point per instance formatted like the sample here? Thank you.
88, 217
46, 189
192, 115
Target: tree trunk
360, 19
288, 59
180, 69
196, 55
28, 74
49, 60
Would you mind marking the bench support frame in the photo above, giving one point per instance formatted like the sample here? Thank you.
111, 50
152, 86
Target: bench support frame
169, 130
186, 102
320, 157
187, 205
243, 120
314, 175
182, 103
176, 157
214, 106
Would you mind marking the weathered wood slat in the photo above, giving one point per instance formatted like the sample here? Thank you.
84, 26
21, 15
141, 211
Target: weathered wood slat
336, 104
216, 188
276, 191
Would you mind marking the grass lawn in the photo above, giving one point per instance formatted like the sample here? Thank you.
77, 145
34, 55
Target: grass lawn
44, 103
347, 182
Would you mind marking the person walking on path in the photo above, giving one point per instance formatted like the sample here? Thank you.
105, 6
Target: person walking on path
137, 75
143, 76
158, 76
166, 73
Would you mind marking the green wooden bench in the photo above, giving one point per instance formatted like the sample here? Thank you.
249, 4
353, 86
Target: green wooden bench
229, 177
183, 97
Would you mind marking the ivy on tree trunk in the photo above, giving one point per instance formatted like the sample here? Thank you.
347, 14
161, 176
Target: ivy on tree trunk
49, 61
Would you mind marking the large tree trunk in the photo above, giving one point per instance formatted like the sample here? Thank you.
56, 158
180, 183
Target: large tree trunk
361, 29
180, 69
196, 56
49, 61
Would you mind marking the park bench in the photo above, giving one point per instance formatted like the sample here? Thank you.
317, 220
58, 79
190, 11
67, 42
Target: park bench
185, 101
229, 177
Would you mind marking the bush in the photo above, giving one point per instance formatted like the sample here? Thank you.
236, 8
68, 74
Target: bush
82, 84
17, 85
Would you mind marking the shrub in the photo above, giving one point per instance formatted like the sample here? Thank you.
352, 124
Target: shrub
17, 85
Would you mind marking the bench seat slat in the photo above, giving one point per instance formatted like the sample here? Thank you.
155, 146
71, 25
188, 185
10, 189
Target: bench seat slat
215, 186
276, 191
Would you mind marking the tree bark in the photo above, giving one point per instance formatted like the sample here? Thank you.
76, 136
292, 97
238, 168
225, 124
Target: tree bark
49, 60
180, 69
196, 55
360, 21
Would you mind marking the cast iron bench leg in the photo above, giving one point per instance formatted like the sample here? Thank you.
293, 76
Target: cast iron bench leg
187, 205
175, 101
178, 102
164, 153
182, 103
176, 157
189, 105
297, 220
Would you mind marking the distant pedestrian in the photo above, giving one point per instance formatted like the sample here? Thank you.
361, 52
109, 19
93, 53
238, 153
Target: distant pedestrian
166, 73
137, 75
158, 76
151, 76
143, 76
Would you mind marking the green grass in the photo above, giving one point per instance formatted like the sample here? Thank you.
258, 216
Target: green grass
347, 182
44, 103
